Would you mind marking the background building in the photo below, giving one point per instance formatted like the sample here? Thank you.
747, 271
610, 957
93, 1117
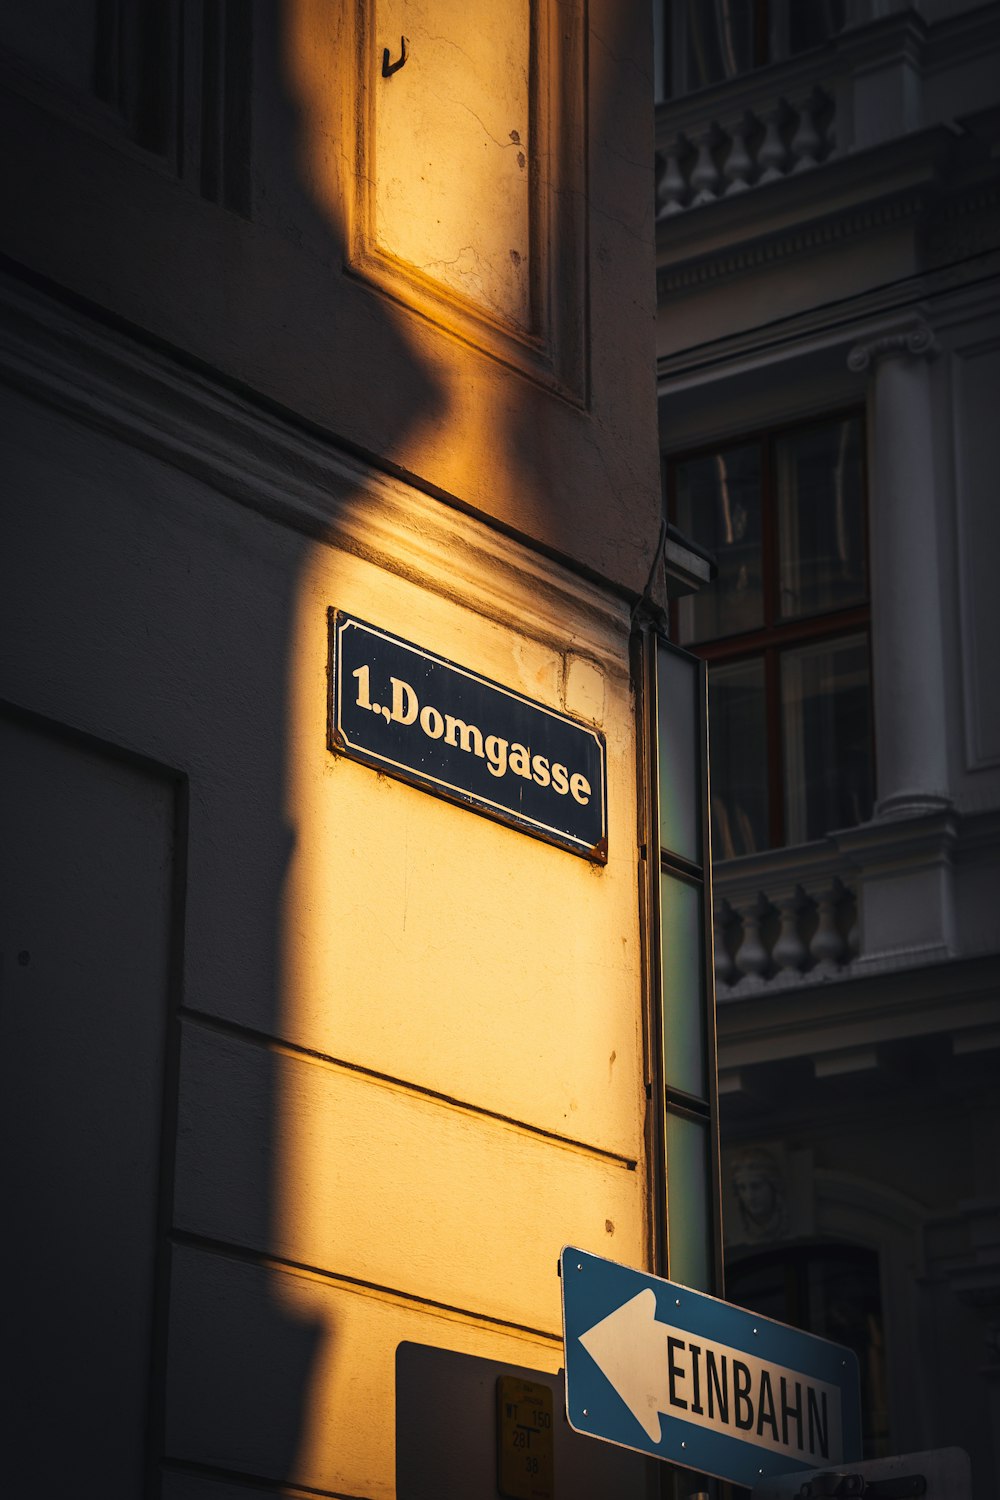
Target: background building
829, 378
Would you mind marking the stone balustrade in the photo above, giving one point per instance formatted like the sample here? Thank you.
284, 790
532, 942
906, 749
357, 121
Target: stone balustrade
701, 162
793, 933
887, 73
895, 892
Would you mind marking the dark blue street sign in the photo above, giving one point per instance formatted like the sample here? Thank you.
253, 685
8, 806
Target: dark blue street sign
654, 1366
453, 732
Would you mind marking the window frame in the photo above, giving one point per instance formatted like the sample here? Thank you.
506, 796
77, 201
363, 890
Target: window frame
775, 635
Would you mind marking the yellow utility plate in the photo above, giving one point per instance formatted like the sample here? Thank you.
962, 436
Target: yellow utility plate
525, 1469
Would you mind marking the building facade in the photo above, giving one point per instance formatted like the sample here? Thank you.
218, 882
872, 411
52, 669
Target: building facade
314, 315
829, 378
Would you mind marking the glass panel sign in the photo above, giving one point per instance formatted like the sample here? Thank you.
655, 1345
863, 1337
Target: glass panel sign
689, 1215
679, 710
450, 731
682, 940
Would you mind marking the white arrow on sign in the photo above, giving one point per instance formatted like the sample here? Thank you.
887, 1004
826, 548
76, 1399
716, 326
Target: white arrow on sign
656, 1368
629, 1348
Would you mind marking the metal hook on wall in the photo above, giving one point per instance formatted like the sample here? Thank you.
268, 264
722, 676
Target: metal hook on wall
389, 68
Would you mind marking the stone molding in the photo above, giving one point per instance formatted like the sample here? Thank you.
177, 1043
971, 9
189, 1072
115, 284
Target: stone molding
114, 383
781, 1023
914, 338
806, 237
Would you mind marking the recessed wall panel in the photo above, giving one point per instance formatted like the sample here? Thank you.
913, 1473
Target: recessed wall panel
451, 147
85, 874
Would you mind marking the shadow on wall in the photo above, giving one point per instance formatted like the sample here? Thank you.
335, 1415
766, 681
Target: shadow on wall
141, 924
255, 1349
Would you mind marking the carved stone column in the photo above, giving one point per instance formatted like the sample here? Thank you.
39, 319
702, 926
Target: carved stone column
907, 649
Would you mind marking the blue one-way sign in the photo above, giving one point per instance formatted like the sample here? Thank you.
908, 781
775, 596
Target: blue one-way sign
655, 1366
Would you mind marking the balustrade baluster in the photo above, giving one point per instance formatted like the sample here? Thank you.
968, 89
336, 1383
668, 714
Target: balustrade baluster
706, 178
671, 185
790, 952
853, 925
752, 957
738, 166
828, 946
772, 157
806, 142
725, 919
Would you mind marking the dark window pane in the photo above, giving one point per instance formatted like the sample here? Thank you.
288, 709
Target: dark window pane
718, 39
678, 707
844, 1304
826, 737
718, 505
661, 52
764, 1284
834, 1292
683, 970
737, 736
812, 24
689, 1227
57, 35
712, 40
820, 518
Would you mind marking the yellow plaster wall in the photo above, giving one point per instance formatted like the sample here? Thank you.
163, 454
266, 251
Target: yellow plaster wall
474, 998
348, 1424
432, 944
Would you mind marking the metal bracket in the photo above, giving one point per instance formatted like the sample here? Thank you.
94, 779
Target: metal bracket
835, 1485
855, 1487
389, 68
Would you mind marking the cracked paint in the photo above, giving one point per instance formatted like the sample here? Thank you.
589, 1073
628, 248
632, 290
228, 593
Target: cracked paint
452, 193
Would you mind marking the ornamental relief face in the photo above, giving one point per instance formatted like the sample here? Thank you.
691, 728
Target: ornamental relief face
767, 1194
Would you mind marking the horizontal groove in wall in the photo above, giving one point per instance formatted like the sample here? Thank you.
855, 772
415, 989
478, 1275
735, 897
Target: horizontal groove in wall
396, 1295
304, 480
291, 1049
254, 1481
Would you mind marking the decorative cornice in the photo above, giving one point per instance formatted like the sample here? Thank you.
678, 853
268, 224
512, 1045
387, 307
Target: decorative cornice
957, 296
965, 226
113, 382
916, 995
914, 339
817, 236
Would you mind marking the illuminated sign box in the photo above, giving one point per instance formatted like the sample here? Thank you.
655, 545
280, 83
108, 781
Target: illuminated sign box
452, 732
